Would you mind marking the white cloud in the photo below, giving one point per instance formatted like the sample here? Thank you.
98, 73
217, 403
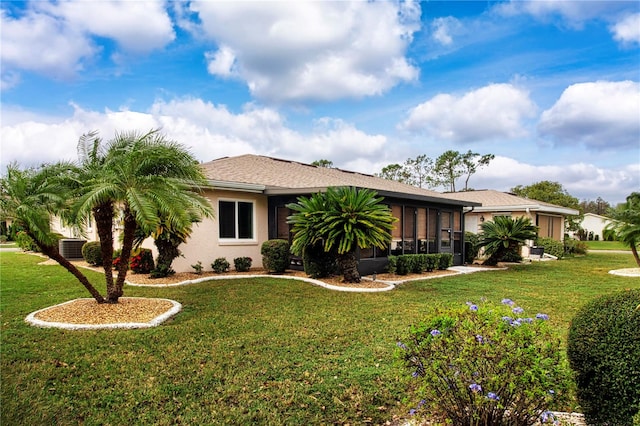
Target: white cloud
445, 28
210, 131
491, 112
581, 180
56, 38
600, 115
221, 62
314, 50
627, 30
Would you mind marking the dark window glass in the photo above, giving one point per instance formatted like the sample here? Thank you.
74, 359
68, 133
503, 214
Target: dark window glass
227, 219
245, 220
235, 219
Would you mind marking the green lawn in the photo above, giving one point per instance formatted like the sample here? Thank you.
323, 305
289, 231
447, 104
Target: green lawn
249, 351
606, 245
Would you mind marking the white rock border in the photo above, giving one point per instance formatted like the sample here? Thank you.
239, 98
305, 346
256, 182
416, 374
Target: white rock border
627, 272
31, 319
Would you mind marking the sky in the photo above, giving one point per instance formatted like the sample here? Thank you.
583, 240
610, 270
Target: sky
551, 88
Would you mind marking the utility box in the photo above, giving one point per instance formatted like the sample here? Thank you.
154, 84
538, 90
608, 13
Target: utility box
71, 248
536, 251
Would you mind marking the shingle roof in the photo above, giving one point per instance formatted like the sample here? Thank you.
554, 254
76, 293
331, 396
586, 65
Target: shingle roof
282, 175
504, 201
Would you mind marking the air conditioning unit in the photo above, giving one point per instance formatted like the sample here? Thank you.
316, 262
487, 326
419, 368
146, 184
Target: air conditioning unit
71, 248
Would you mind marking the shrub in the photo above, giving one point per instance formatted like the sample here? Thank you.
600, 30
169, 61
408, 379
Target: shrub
511, 256
3, 239
220, 265
603, 347
92, 253
275, 255
419, 263
141, 261
572, 247
392, 264
551, 246
319, 263
242, 264
404, 264
161, 271
25, 242
197, 268
609, 235
445, 261
485, 364
432, 261
471, 247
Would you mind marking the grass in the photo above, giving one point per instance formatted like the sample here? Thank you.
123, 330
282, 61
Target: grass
607, 245
249, 351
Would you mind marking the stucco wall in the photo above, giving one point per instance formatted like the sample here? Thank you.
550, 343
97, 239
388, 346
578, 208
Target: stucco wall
204, 244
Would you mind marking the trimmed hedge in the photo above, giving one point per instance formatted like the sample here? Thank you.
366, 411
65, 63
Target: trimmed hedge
275, 255
603, 348
92, 253
551, 246
418, 263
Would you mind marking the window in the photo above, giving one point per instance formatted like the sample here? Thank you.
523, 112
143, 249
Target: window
235, 219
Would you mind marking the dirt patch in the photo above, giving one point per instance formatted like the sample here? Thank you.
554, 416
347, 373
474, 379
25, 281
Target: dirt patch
88, 311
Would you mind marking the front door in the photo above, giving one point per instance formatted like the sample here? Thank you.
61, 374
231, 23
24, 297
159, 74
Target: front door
446, 222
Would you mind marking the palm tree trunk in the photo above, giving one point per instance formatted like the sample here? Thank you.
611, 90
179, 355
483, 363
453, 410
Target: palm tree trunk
167, 251
54, 253
634, 250
129, 232
349, 267
103, 215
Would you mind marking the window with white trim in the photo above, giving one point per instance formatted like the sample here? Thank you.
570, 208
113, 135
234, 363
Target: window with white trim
235, 219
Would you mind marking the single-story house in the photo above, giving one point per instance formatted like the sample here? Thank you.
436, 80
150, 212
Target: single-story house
249, 194
549, 218
594, 223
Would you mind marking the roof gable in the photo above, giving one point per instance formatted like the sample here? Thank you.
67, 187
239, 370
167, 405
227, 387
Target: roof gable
492, 200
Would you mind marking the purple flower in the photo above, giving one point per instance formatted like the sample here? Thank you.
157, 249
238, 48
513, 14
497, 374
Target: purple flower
415, 374
517, 310
527, 320
516, 323
552, 392
475, 387
543, 317
479, 338
507, 319
508, 302
474, 308
412, 412
402, 345
546, 415
493, 396
435, 333
422, 402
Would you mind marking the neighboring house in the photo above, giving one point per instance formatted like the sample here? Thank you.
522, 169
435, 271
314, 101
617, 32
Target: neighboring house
594, 223
249, 194
549, 218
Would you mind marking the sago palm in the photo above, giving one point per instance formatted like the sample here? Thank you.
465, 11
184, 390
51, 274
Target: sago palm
343, 219
505, 235
29, 198
145, 177
626, 223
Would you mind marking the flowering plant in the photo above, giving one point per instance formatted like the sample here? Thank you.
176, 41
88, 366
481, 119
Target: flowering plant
485, 364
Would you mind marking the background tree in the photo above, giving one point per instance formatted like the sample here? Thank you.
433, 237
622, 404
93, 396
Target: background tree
29, 198
599, 206
626, 223
471, 162
448, 168
420, 171
395, 172
552, 192
342, 219
323, 163
145, 176
503, 236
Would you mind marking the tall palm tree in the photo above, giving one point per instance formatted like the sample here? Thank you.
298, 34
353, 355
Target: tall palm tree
29, 197
626, 223
144, 176
343, 219
505, 235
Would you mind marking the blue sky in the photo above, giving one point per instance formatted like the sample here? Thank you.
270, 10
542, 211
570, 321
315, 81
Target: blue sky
551, 88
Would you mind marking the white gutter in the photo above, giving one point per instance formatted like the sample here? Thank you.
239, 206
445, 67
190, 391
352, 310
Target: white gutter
236, 186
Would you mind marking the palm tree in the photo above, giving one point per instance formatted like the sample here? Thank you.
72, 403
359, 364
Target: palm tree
626, 223
504, 235
29, 197
145, 177
343, 219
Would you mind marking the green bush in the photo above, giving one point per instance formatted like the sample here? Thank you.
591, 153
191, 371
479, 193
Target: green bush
319, 263
471, 247
432, 262
609, 235
392, 264
404, 264
603, 347
220, 265
3, 239
25, 242
92, 253
572, 247
445, 261
242, 264
275, 255
485, 364
197, 268
419, 263
551, 246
